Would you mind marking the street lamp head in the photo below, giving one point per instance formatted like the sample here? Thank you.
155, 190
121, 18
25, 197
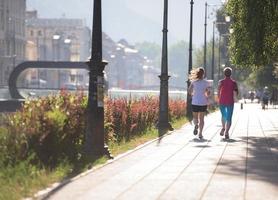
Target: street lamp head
67, 41
56, 37
227, 18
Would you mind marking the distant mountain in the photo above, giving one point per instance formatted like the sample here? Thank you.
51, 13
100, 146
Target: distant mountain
118, 20
134, 20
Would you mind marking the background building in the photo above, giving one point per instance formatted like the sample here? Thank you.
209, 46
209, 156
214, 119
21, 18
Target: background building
24, 36
56, 40
12, 36
70, 40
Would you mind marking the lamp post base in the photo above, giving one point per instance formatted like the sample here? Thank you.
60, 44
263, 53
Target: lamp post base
164, 127
98, 151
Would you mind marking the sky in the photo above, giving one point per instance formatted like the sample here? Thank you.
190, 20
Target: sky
136, 20
179, 16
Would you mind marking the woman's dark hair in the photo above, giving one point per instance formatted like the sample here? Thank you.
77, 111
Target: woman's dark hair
200, 73
227, 71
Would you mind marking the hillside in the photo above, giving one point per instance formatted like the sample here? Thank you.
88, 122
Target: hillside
134, 20
123, 23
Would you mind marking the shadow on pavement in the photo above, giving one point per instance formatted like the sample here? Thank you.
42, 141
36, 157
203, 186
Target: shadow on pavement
261, 163
161, 134
202, 146
200, 140
229, 140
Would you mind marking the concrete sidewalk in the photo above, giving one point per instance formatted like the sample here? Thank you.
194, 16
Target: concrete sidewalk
183, 167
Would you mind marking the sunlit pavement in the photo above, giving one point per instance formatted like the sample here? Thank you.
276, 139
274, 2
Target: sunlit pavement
183, 167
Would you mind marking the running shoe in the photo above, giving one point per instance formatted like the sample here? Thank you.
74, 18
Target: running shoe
195, 132
222, 132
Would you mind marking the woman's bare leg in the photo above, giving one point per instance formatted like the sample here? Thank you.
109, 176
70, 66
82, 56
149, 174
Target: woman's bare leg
195, 118
201, 122
196, 122
223, 122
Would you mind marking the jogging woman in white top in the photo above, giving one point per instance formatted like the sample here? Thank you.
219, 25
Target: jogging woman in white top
199, 90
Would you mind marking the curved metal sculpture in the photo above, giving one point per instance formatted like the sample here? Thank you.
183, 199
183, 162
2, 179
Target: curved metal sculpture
38, 65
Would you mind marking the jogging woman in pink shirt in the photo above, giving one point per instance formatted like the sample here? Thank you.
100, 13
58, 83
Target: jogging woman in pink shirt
199, 89
226, 89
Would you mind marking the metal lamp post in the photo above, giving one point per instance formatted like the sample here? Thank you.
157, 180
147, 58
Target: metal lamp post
56, 54
188, 101
219, 56
163, 119
205, 37
212, 60
227, 20
94, 137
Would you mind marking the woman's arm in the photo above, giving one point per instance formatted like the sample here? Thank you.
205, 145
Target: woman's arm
218, 89
208, 91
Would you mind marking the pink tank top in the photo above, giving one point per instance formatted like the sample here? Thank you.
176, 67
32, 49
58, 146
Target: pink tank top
227, 87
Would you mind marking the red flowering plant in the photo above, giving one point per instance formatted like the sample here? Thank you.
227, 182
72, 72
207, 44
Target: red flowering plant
52, 128
177, 108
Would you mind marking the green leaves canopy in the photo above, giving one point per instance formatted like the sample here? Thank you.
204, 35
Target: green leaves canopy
254, 41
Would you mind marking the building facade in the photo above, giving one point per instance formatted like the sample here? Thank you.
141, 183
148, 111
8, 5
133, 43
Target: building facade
24, 36
59, 39
125, 64
12, 36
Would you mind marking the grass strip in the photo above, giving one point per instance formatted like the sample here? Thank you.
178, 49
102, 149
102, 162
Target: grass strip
24, 179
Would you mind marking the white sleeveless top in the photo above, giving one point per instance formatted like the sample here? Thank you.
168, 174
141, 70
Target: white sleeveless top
199, 97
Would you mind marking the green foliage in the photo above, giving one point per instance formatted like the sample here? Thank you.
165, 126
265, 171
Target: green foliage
263, 77
42, 143
125, 118
152, 51
199, 58
222, 25
178, 59
254, 40
24, 179
178, 63
51, 127
149, 49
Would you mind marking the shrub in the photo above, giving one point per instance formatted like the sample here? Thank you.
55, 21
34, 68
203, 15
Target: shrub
51, 129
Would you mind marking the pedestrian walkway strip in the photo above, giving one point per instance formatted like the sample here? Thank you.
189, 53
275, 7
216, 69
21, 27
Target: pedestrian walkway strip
180, 166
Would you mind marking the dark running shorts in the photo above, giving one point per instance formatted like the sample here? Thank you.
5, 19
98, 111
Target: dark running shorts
196, 108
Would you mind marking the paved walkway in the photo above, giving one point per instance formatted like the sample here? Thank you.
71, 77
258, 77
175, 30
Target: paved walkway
183, 167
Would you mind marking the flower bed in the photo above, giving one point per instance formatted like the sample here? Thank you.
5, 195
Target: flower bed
52, 128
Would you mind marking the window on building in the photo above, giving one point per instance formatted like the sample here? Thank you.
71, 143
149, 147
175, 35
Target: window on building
31, 33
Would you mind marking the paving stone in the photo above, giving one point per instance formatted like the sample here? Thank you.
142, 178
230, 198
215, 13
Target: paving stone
183, 167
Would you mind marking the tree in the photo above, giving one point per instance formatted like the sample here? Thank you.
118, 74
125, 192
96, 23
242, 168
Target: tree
149, 49
253, 43
152, 51
199, 58
263, 77
178, 63
254, 39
